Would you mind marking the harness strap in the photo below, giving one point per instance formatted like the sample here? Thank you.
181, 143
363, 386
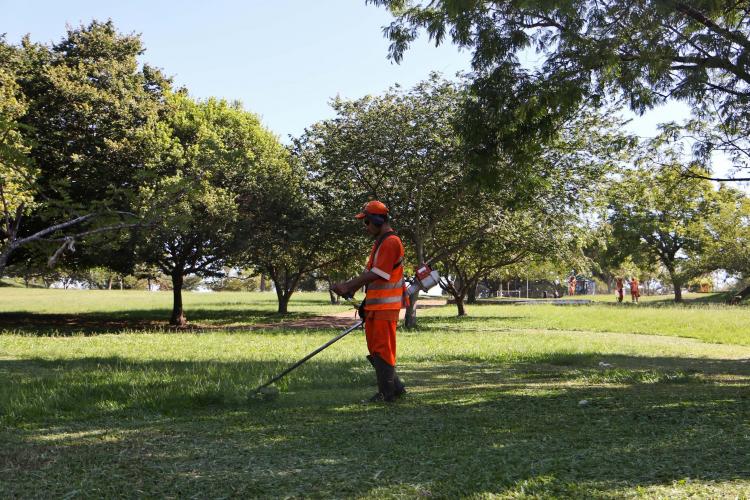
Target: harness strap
378, 242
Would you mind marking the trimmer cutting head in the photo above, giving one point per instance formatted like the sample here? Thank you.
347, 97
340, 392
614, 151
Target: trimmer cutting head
267, 393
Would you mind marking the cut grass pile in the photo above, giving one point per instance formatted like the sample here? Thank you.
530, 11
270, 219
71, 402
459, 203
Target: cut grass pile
510, 402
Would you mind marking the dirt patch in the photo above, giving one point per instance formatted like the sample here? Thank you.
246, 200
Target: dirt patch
340, 320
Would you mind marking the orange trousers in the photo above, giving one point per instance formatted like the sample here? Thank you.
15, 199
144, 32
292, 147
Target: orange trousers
381, 339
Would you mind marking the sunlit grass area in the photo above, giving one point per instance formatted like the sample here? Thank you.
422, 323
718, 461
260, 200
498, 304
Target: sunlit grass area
513, 401
709, 322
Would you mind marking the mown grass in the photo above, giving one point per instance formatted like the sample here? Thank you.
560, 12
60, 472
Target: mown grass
495, 408
709, 322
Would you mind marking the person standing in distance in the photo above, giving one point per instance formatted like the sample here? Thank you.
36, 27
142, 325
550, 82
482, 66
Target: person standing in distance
385, 296
619, 286
634, 289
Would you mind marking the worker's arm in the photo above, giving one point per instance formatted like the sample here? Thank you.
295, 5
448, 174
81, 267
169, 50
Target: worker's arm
347, 288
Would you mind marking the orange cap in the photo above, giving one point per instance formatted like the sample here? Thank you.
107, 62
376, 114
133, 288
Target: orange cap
373, 207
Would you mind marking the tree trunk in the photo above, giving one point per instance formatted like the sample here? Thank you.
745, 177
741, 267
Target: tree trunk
178, 314
410, 318
262, 282
109, 283
675, 283
460, 305
740, 296
4, 256
471, 295
677, 291
283, 297
333, 296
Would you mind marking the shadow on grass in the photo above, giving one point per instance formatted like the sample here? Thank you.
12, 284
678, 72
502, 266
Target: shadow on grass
464, 429
137, 320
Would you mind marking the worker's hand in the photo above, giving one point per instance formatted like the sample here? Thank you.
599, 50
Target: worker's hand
340, 289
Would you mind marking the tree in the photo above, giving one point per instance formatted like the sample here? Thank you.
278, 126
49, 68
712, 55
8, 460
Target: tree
85, 105
205, 158
296, 225
572, 170
663, 217
647, 52
730, 230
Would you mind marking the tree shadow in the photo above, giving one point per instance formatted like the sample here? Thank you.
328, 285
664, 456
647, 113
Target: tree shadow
139, 320
466, 428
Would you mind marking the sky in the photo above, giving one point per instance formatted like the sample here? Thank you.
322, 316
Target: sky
283, 59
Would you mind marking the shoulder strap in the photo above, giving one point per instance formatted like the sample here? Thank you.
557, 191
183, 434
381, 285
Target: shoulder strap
380, 240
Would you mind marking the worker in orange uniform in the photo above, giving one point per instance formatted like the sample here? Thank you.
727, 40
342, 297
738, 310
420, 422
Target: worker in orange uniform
620, 287
572, 284
634, 292
385, 296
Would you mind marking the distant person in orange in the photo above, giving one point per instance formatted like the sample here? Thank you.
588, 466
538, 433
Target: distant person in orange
634, 292
572, 284
384, 281
619, 287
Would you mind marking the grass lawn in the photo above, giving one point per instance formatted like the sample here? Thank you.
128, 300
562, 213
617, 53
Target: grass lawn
512, 401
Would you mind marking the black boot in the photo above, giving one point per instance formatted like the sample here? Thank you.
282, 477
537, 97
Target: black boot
378, 396
398, 386
386, 373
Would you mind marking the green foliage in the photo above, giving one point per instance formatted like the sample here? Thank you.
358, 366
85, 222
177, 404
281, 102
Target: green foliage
206, 159
400, 148
730, 227
295, 226
80, 107
239, 283
645, 52
17, 176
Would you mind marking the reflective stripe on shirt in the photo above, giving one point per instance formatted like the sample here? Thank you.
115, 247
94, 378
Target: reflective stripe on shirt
383, 300
385, 285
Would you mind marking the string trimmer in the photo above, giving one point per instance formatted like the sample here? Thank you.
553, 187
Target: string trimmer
267, 391
425, 279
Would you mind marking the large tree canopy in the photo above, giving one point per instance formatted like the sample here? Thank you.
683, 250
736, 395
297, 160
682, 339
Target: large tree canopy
17, 174
84, 103
645, 51
401, 148
204, 158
